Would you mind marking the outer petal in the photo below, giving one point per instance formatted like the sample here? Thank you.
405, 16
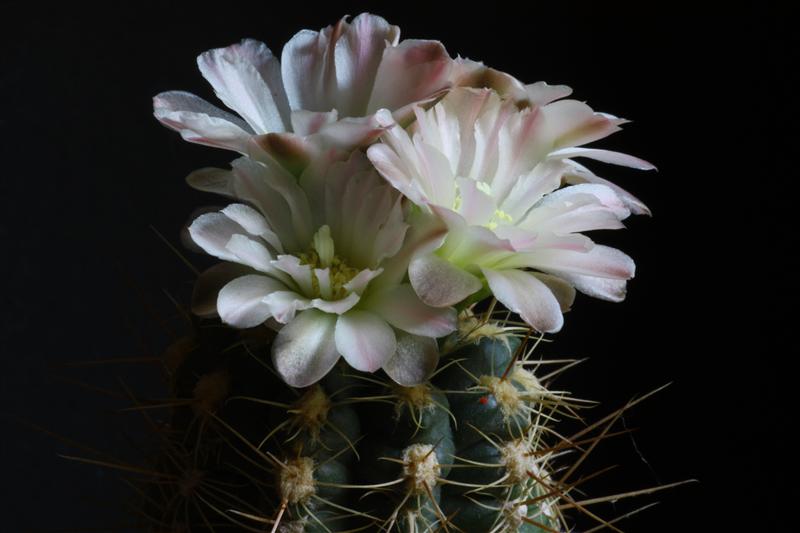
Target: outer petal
303, 353
439, 283
335, 67
411, 71
600, 261
561, 289
247, 77
414, 361
606, 156
403, 309
212, 232
365, 340
211, 179
526, 295
241, 302
580, 174
200, 122
573, 123
250, 252
612, 290
208, 285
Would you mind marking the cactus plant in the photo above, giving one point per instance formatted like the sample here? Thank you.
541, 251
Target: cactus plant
467, 450
364, 377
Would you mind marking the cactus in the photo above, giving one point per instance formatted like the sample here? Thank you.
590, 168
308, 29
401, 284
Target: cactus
467, 450
385, 191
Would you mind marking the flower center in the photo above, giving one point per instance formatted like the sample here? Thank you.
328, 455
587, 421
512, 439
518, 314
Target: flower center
321, 257
498, 217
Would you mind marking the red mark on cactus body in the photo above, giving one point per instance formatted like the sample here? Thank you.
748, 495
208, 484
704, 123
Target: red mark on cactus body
483, 400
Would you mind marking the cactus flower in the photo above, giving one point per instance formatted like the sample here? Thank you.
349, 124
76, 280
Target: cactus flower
309, 255
324, 92
493, 174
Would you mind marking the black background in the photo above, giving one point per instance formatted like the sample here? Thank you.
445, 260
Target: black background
86, 171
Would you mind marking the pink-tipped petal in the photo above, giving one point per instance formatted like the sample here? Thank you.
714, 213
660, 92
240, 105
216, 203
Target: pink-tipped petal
573, 123
414, 361
606, 156
612, 290
200, 122
335, 68
599, 261
365, 340
580, 174
303, 353
411, 71
246, 76
439, 283
402, 308
561, 289
524, 294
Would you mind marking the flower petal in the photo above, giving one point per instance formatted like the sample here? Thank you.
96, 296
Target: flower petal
540, 93
612, 290
414, 361
440, 283
285, 304
252, 221
201, 122
600, 261
524, 294
561, 289
358, 54
365, 340
476, 207
580, 174
335, 67
213, 180
241, 302
247, 78
337, 307
208, 285
402, 308
303, 353
300, 273
278, 197
360, 281
573, 123
250, 252
606, 156
212, 232
247, 217
409, 72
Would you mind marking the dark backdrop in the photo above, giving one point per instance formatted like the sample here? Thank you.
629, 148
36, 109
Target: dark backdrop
86, 171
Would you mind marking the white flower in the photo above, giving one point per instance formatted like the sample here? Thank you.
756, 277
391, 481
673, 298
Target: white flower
317, 255
492, 173
324, 92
